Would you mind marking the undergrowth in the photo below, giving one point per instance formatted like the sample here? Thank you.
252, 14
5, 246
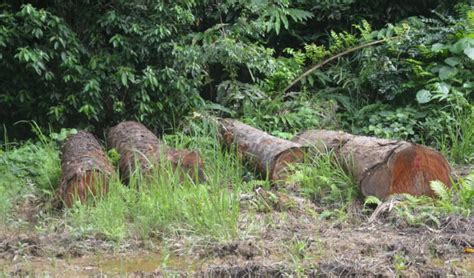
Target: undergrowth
164, 204
30, 163
323, 180
417, 211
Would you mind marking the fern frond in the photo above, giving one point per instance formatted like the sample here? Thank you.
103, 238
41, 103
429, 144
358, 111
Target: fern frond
440, 190
372, 200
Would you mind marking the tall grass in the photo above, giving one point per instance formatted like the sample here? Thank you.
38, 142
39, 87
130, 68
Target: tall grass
323, 179
163, 203
31, 163
462, 147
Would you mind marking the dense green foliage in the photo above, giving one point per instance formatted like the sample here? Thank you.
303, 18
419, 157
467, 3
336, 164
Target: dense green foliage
395, 69
164, 206
94, 63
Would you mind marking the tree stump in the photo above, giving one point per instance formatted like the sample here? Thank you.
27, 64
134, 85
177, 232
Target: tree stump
140, 149
382, 167
85, 169
270, 155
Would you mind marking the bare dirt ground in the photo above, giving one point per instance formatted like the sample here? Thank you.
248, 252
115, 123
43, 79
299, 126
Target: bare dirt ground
281, 241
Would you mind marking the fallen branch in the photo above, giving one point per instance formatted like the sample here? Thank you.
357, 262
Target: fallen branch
324, 62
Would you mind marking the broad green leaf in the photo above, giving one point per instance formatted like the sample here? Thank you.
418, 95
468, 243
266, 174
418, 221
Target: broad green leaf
461, 45
443, 88
277, 24
452, 61
446, 72
469, 52
124, 79
423, 96
437, 47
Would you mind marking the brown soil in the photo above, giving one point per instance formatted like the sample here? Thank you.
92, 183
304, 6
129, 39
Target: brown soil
280, 241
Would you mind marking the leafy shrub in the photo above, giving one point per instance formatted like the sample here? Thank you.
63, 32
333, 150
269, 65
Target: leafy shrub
381, 121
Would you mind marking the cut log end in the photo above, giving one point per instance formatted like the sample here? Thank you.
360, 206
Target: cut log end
281, 169
409, 170
380, 166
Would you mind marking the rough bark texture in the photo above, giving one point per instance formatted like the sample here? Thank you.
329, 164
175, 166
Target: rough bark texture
270, 155
85, 169
382, 167
139, 147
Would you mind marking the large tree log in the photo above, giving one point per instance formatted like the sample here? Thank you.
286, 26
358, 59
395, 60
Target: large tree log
270, 155
85, 169
382, 167
139, 147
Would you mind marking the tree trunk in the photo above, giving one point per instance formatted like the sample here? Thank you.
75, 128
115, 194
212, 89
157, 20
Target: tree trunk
139, 147
270, 155
85, 169
382, 167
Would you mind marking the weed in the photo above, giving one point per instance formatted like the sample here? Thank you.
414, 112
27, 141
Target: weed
31, 163
427, 211
400, 264
458, 142
324, 181
297, 249
163, 204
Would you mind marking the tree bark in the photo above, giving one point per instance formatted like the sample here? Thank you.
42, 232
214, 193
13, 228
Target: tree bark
382, 167
140, 149
85, 169
270, 155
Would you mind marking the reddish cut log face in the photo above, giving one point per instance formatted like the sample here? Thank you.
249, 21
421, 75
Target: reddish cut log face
189, 162
409, 169
281, 167
415, 167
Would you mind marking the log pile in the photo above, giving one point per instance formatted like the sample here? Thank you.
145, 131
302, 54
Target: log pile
270, 155
382, 167
85, 169
140, 149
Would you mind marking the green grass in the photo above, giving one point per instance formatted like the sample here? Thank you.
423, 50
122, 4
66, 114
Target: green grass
462, 149
458, 143
158, 206
162, 204
323, 179
30, 163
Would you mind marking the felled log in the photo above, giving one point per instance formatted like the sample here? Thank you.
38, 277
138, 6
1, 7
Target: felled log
85, 169
140, 149
382, 167
270, 155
